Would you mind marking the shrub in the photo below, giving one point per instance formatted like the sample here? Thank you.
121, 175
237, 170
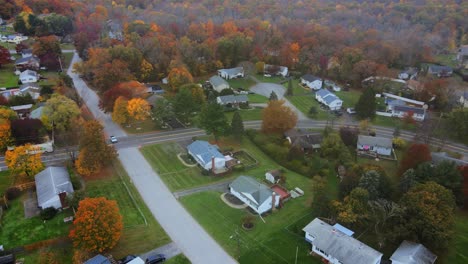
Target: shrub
13, 193
238, 167
399, 143
76, 183
48, 213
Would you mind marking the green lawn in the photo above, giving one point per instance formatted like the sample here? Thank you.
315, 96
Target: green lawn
247, 114
298, 89
136, 127
67, 58
6, 180
7, 76
179, 259
274, 79
447, 59
457, 251
257, 99
67, 47
244, 83
63, 252
305, 102
349, 98
392, 122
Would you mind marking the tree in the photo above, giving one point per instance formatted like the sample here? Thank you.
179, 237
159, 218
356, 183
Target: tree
313, 111
128, 90
48, 257
58, 112
408, 118
5, 56
321, 199
5, 134
415, 155
290, 90
138, 109
179, 76
120, 114
273, 96
48, 50
163, 110
21, 159
112, 73
27, 130
349, 135
333, 148
184, 106
354, 209
384, 212
94, 151
458, 123
366, 105
429, 214
278, 118
259, 66
237, 126
213, 120
97, 226
376, 184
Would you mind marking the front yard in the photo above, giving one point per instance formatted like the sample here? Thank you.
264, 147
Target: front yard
244, 83
305, 102
252, 114
7, 76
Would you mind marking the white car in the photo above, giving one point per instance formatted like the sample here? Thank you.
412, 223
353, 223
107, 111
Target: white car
267, 75
113, 139
350, 111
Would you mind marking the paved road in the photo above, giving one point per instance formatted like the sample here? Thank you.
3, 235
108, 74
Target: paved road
170, 250
218, 186
63, 51
189, 236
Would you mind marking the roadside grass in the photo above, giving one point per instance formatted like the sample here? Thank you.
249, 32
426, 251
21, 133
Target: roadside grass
246, 114
6, 180
63, 252
139, 127
392, 122
305, 102
7, 76
257, 99
179, 259
457, 253
244, 83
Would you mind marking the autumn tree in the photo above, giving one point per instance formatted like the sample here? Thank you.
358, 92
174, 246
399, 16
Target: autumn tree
366, 105
354, 208
120, 114
179, 76
5, 134
333, 148
49, 52
27, 130
237, 126
376, 184
25, 159
138, 109
58, 113
213, 120
128, 90
415, 155
278, 118
48, 257
5, 56
112, 73
97, 226
94, 151
458, 123
349, 135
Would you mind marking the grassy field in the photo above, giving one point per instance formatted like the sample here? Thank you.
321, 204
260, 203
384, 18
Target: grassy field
247, 114
457, 251
141, 127
179, 259
349, 98
6, 180
446, 59
392, 122
66, 46
7, 76
257, 99
63, 252
244, 83
305, 102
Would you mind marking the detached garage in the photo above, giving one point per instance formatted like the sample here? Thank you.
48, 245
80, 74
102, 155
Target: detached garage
52, 186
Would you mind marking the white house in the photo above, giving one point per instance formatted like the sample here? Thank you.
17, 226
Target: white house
218, 83
28, 76
275, 70
440, 71
206, 155
376, 145
408, 74
329, 99
26, 53
32, 89
412, 253
233, 100
16, 38
337, 246
231, 73
417, 113
313, 82
256, 195
52, 186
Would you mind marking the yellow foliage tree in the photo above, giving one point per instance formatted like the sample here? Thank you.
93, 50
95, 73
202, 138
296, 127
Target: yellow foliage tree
179, 76
7, 113
120, 114
138, 109
5, 134
24, 159
277, 117
145, 69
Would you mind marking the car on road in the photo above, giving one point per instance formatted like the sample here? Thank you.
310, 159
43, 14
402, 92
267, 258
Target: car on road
351, 111
153, 259
113, 139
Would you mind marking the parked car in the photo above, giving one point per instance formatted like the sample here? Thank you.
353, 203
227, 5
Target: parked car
153, 259
127, 259
113, 139
350, 111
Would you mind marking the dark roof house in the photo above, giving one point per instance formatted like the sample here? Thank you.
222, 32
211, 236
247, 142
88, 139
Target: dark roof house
304, 140
232, 99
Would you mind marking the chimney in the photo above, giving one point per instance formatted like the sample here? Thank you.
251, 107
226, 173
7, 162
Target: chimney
213, 164
273, 201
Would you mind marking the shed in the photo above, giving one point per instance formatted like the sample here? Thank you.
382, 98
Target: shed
53, 185
412, 253
273, 176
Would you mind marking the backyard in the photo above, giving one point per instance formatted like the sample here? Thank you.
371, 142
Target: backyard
251, 114
244, 83
7, 76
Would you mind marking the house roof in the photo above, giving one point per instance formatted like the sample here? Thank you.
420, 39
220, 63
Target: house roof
28, 73
50, 182
310, 78
438, 157
463, 50
406, 109
410, 70
413, 253
327, 96
26, 60
215, 80
36, 113
395, 102
439, 68
411, 101
374, 141
233, 71
21, 107
344, 248
98, 259
303, 139
258, 191
226, 99
29, 86
9, 93
275, 173
204, 150
274, 69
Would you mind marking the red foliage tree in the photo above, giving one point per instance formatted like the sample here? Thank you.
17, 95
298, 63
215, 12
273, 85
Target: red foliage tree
415, 155
4, 56
408, 118
127, 90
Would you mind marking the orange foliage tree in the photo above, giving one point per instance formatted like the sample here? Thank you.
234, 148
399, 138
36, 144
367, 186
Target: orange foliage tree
5, 134
277, 117
138, 109
97, 226
120, 113
21, 159
179, 76
48, 257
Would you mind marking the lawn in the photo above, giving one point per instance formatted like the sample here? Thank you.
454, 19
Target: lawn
247, 114
447, 60
305, 102
457, 251
63, 252
137, 127
67, 46
6, 180
7, 76
274, 79
298, 89
244, 83
349, 98
257, 99
392, 122
179, 259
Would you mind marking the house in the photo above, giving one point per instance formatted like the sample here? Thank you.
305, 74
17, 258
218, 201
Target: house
376, 145
218, 83
36, 113
462, 56
32, 89
408, 74
9, 93
438, 157
232, 100
26, 53
231, 73
275, 70
329, 99
98, 259
28, 63
53, 185
257, 196
7, 259
304, 140
273, 176
115, 30
401, 111
313, 82
412, 253
337, 246
331, 85
463, 99
16, 39
206, 155
28, 76
22, 111
440, 71
154, 88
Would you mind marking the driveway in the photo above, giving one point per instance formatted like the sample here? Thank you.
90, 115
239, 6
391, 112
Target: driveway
170, 250
92, 101
188, 235
265, 89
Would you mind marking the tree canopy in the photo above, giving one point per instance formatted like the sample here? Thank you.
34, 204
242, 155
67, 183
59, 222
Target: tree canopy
277, 117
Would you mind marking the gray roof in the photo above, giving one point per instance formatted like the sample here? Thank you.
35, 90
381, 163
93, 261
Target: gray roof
50, 182
233, 71
375, 141
438, 157
304, 139
463, 50
406, 109
227, 99
310, 78
440, 69
413, 253
36, 113
346, 249
246, 184
30, 85
98, 259
327, 96
204, 150
217, 81
26, 59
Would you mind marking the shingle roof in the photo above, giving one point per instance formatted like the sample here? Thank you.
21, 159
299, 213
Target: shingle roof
50, 182
327, 96
346, 249
217, 81
204, 150
26, 59
406, 109
438, 157
227, 99
375, 141
258, 191
440, 68
36, 113
310, 78
413, 253
98, 259
233, 71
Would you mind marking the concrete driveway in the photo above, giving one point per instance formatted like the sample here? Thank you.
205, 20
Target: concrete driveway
265, 89
170, 250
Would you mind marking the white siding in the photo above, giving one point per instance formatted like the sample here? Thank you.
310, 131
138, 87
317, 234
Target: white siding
247, 199
315, 85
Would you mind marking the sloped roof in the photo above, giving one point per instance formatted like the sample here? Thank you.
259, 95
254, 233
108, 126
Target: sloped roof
28, 73
374, 141
233, 71
406, 109
50, 182
21, 107
36, 113
413, 253
463, 49
226, 99
304, 139
26, 59
310, 78
438, 157
258, 191
204, 150
440, 68
98, 259
327, 96
217, 81
346, 249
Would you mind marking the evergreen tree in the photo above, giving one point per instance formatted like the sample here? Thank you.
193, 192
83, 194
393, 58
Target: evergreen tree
237, 126
213, 120
289, 92
366, 106
313, 111
273, 96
